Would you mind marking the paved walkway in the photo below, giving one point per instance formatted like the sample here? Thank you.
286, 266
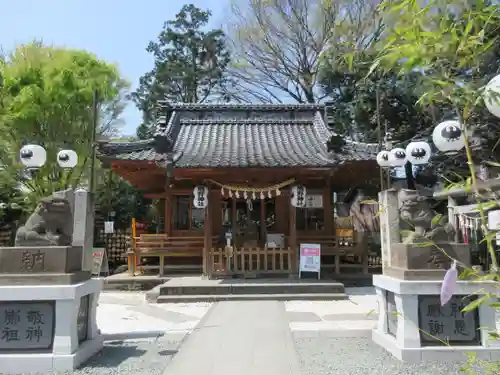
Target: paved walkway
129, 314
239, 338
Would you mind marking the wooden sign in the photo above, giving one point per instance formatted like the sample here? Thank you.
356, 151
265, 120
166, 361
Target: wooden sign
99, 262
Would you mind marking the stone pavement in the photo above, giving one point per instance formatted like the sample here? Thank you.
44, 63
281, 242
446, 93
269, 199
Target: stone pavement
350, 318
128, 314
239, 338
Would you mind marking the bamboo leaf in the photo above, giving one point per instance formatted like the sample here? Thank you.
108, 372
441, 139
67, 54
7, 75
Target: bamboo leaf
476, 303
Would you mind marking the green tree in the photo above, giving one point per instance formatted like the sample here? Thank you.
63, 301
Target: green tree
360, 102
455, 48
46, 98
120, 197
190, 63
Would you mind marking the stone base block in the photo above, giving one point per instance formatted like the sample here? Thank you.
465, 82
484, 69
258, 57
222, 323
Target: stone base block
42, 363
40, 259
55, 326
438, 354
413, 326
406, 274
429, 258
45, 278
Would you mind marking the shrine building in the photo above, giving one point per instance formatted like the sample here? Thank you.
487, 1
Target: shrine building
242, 186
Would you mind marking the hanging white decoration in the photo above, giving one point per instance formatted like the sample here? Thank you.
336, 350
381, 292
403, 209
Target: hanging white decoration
418, 153
383, 159
492, 96
245, 195
33, 156
253, 195
67, 159
222, 191
262, 195
237, 194
200, 193
269, 194
230, 193
448, 137
298, 198
278, 192
397, 157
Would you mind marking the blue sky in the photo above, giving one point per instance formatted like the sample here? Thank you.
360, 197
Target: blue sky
116, 31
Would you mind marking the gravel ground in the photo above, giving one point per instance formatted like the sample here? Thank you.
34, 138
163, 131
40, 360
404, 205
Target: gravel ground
141, 357
359, 356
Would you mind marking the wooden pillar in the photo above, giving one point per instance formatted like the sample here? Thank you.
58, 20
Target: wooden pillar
207, 241
328, 207
263, 229
293, 237
168, 211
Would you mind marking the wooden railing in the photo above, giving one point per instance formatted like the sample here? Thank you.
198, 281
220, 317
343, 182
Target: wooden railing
250, 262
352, 256
163, 247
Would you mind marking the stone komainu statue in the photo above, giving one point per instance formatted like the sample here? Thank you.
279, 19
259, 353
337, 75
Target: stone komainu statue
415, 210
51, 224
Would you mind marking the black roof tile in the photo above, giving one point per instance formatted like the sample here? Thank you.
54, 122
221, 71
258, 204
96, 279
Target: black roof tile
242, 142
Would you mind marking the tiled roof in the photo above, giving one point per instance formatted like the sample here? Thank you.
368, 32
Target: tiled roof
242, 142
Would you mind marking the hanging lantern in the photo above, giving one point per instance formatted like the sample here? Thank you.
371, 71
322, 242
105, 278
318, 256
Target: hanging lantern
230, 193
245, 195
448, 137
67, 159
397, 157
262, 195
200, 193
237, 194
383, 159
33, 156
253, 196
269, 194
298, 198
418, 153
492, 96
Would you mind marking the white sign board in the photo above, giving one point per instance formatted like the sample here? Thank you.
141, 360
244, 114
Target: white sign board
310, 258
109, 227
314, 201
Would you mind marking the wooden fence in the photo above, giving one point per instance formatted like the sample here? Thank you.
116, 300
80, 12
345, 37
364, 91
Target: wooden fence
249, 262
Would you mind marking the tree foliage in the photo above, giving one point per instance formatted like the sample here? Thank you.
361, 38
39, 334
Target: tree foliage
46, 97
189, 63
125, 201
277, 44
452, 69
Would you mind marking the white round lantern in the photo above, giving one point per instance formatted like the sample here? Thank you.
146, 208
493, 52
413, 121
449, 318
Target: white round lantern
33, 156
383, 159
397, 157
67, 159
492, 96
448, 137
418, 153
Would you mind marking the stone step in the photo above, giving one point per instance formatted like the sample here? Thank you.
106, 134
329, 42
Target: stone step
251, 297
250, 288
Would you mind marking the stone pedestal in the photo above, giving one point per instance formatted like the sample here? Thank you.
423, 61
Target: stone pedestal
46, 328
413, 262
410, 312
